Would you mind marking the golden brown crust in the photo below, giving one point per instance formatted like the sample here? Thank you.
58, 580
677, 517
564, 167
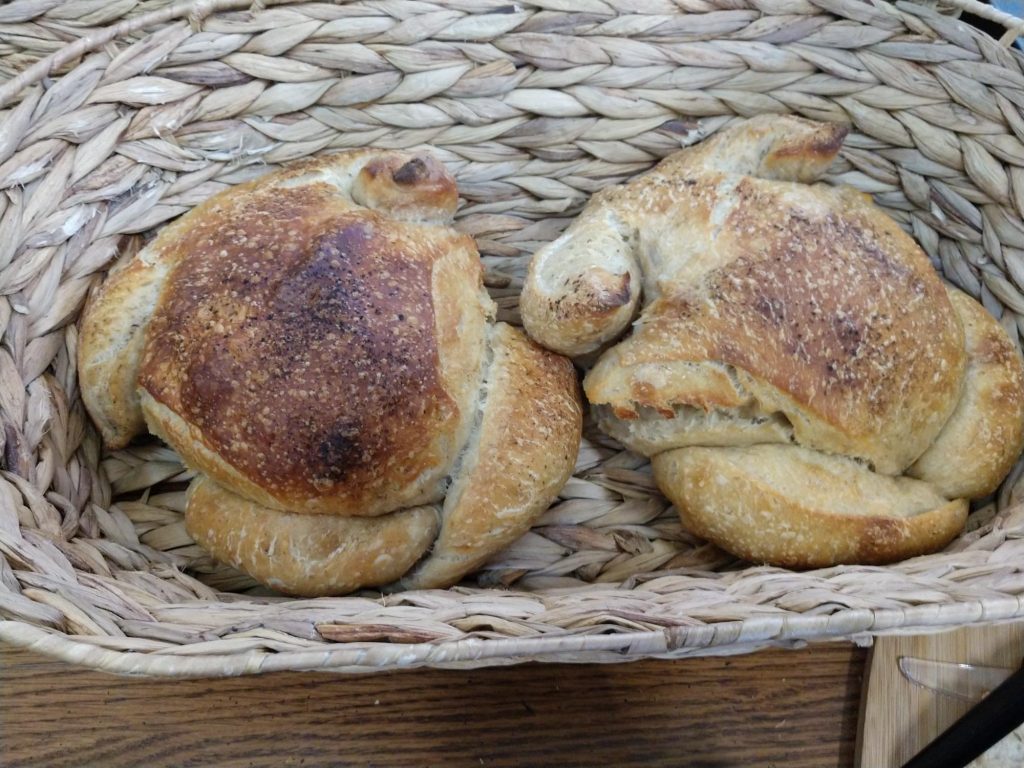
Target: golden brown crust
298, 340
583, 289
308, 354
824, 310
406, 187
309, 555
985, 434
650, 434
774, 312
111, 337
763, 297
780, 147
518, 461
794, 507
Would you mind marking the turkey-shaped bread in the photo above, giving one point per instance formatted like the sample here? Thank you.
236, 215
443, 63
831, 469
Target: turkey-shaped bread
319, 345
808, 389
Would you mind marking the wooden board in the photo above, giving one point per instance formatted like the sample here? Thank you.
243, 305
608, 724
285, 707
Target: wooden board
792, 709
898, 718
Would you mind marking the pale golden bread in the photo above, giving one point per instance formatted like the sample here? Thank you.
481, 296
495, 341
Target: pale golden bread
584, 288
112, 335
783, 321
781, 298
572, 304
799, 508
515, 464
307, 555
985, 434
315, 342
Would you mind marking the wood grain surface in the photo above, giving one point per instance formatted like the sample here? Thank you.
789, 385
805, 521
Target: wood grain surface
776, 708
899, 717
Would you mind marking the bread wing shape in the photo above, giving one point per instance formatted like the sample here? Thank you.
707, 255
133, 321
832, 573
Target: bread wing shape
518, 459
308, 555
985, 435
112, 336
799, 508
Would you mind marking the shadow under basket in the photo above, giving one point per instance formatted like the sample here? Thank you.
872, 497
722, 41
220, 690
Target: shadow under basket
534, 107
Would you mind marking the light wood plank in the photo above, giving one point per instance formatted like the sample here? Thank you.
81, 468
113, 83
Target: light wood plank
900, 718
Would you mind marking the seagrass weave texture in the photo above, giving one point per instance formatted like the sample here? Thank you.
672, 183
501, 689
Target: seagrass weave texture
534, 106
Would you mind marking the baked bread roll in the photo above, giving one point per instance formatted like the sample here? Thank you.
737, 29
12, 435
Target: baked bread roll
318, 344
783, 334
797, 507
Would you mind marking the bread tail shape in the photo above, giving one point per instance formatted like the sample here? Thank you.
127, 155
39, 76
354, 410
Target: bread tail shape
808, 389
318, 345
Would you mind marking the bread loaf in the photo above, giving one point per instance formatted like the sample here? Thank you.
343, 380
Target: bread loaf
775, 326
318, 344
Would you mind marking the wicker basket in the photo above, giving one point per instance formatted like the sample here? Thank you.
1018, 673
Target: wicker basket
535, 106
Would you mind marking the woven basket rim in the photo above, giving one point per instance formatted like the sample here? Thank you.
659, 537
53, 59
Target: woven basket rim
620, 642
724, 638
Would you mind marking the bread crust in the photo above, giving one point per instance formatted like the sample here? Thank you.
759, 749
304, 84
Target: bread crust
793, 318
583, 289
112, 333
314, 343
520, 457
570, 303
326, 353
985, 435
816, 304
798, 508
309, 555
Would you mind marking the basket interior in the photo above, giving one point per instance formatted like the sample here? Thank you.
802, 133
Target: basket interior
534, 107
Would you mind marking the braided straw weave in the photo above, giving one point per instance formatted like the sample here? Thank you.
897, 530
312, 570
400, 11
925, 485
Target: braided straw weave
535, 106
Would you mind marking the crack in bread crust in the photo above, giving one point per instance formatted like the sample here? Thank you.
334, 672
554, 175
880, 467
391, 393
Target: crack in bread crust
520, 457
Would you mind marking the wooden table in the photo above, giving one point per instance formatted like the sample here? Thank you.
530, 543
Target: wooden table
775, 708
